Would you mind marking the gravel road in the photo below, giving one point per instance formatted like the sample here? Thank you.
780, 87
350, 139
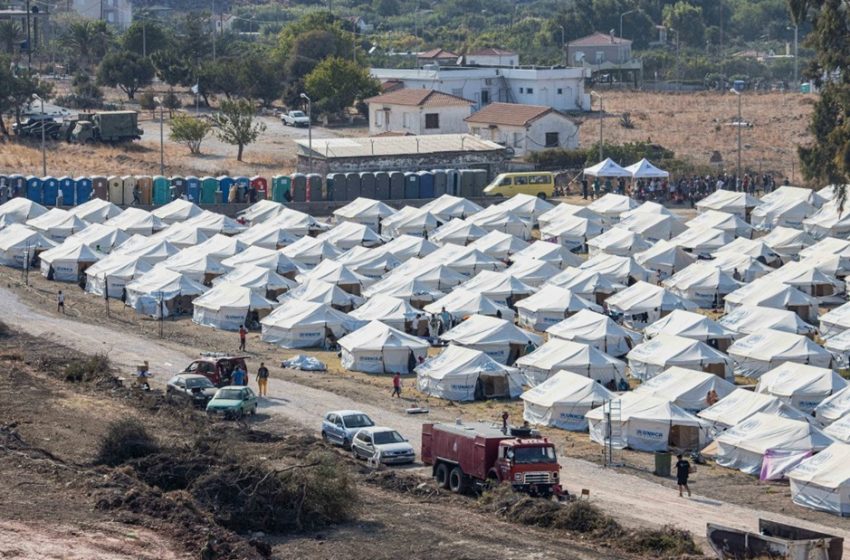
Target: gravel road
633, 500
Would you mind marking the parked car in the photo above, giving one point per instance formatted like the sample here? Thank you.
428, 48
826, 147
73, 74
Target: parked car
190, 388
394, 449
295, 118
217, 368
233, 401
340, 426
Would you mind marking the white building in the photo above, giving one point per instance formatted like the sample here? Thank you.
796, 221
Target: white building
491, 57
525, 128
556, 87
114, 12
418, 111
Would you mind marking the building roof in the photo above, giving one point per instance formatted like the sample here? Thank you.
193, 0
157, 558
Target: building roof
437, 53
391, 85
394, 133
331, 148
598, 39
509, 114
419, 97
491, 51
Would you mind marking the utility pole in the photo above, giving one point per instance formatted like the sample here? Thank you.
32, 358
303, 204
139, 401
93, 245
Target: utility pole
215, 27
36, 97
739, 125
796, 56
158, 101
592, 93
309, 132
29, 39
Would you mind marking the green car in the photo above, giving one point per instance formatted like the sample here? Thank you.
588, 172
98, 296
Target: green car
233, 401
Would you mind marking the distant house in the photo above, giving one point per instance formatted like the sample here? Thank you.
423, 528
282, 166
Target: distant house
418, 111
358, 23
118, 13
438, 57
491, 57
525, 128
222, 23
607, 54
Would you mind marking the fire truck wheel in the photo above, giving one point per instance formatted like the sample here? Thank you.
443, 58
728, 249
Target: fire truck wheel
457, 481
442, 475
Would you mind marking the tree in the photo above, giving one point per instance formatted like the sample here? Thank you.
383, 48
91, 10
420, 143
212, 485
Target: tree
190, 131
386, 8
125, 70
234, 123
16, 89
11, 35
172, 67
88, 40
259, 78
144, 37
686, 19
336, 83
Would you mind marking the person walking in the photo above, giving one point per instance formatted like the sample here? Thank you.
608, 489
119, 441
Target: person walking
238, 377
263, 380
397, 385
683, 470
137, 196
60, 302
243, 332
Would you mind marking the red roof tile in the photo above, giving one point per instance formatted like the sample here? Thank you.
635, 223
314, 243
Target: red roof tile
419, 98
509, 114
437, 53
599, 40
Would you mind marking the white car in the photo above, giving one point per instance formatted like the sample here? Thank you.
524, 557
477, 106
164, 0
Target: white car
295, 118
393, 448
340, 426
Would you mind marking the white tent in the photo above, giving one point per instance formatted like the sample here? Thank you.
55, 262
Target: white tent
833, 407
828, 221
379, 348
550, 306
310, 251
163, 292
563, 400
788, 242
19, 210
758, 353
336, 273
499, 245
18, 243
582, 359
756, 248
749, 319
649, 424
460, 232
686, 388
148, 249
57, 224
436, 277
407, 247
743, 268
102, 237
136, 221
177, 211
650, 358
611, 206
781, 212
304, 324
463, 374
469, 262
447, 207
743, 446
461, 303
597, 330
199, 267
648, 208
499, 339
501, 287
771, 293
261, 211
526, 206
822, 482
703, 284
371, 263
297, 223
622, 270
724, 221
563, 210
737, 203
228, 306
94, 211
346, 235
592, 286
220, 246
607, 168
840, 429
572, 232
364, 211
652, 227
643, 303
803, 387
827, 246
416, 292
391, 311
182, 236
264, 258
643, 169
494, 218
264, 281
112, 274
664, 259
532, 272
268, 236
839, 347
410, 220
692, 325
552, 253
788, 192
212, 223
702, 241
319, 291
66, 262
617, 241
740, 404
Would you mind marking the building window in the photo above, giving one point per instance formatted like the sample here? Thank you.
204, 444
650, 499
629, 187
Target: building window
600, 57
552, 140
405, 120
529, 90
485, 96
560, 91
379, 118
517, 139
476, 131
432, 121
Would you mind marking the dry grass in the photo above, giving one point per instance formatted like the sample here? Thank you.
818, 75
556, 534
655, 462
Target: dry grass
694, 125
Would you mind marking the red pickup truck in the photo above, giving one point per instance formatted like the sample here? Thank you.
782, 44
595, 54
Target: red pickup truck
464, 456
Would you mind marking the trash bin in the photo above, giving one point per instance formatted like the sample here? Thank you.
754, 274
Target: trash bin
663, 460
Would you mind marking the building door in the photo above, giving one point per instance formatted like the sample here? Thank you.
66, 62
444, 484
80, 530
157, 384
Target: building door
485, 97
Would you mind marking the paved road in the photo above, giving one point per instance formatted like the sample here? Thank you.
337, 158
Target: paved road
631, 499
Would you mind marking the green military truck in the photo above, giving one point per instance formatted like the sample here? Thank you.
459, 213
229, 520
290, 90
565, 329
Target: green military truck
104, 126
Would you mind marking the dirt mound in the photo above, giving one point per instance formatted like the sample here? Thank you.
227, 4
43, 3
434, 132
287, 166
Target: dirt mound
170, 471
125, 440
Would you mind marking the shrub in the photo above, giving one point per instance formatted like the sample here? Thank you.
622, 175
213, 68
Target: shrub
124, 440
88, 368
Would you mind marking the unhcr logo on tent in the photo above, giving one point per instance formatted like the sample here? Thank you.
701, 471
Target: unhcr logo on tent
647, 434
462, 387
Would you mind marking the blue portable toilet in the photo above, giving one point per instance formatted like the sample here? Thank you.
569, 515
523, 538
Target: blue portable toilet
49, 190
224, 184
67, 188
426, 184
299, 187
82, 190
34, 189
367, 184
382, 185
352, 186
242, 186
178, 187
411, 185
161, 190
193, 189
19, 184
439, 182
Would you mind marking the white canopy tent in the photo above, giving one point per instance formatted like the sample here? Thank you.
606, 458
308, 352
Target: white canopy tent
305, 324
500, 287
650, 358
592, 286
499, 245
464, 374
758, 353
822, 482
310, 251
597, 330
494, 218
448, 207
702, 241
564, 210
347, 235
410, 220
182, 236
532, 272
571, 232
781, 212
199, 267
756, 248
268, 236
20, 210
457, 231
803, 387
148, 249
298, 223
581, 359
499, 339
611, 206
102, 237
788, 242
229, 306
212, 223
686, 388
643, 169
607, 168
622, 270
526, 206
379, 348
789, 192
563, 400
336, 273
220, 246
740, 267
468, 261
405, 247
550, 306
771, 293
264, 258
652, 227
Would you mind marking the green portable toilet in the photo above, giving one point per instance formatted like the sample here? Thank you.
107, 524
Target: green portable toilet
280, 188
209, 186
161, 186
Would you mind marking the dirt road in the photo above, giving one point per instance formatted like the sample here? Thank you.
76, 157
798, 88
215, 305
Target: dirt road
633, 500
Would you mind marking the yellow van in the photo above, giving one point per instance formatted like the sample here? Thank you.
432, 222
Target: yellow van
535, 183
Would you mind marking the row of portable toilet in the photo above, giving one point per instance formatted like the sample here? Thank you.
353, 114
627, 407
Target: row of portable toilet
298, 187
